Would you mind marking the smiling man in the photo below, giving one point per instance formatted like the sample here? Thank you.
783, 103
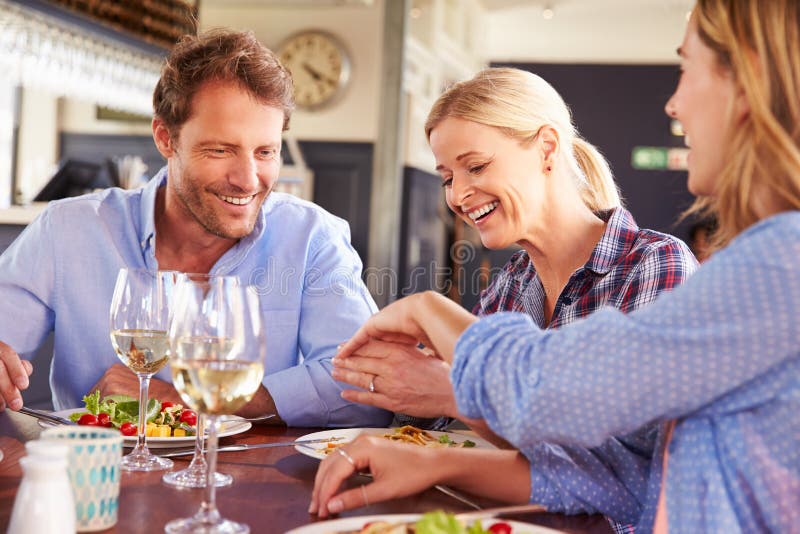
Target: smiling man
221, 106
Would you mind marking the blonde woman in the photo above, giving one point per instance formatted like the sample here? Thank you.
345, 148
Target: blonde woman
716, 361
513, 167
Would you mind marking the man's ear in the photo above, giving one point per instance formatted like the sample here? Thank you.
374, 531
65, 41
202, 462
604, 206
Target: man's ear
162, 138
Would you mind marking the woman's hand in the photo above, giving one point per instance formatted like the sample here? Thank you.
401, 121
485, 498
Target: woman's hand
428, 318
397, 322
405, 379
401, 469
397, 470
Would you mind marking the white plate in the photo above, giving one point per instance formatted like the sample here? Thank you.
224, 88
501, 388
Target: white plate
234, 425
356, 523
317, 450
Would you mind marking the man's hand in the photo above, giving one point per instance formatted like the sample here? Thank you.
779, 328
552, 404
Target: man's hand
260, 405
14, 373
119, 380
405, 379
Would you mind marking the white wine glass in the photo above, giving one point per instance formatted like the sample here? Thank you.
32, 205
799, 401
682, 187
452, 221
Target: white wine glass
195, 475
217, 364
140, 314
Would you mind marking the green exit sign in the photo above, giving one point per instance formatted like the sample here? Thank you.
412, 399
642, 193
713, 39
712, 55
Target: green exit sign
660, 158
649, 157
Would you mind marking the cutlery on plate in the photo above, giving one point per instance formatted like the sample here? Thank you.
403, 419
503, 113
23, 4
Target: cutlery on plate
501, 511
459, 497
44, 416
258, 419
246, 447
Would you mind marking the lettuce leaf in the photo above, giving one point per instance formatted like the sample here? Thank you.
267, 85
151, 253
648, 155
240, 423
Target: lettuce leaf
440, 522
121, 408
95, 406
129, 411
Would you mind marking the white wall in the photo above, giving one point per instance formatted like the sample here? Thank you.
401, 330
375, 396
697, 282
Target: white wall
589, 31
6, 142
353, 117
78, 116
37, 147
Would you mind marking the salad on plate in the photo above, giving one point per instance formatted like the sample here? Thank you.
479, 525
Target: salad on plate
164, 419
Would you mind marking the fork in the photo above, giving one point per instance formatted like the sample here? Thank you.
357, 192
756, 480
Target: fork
44, 416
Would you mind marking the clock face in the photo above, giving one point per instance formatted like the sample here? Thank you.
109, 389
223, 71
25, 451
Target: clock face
319, 65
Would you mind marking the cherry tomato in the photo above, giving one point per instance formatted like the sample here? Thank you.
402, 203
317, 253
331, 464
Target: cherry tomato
189, 417
500, 528
166, 404
128, 429
104, 419
88, 419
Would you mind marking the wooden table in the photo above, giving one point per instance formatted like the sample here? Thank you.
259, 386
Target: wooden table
271, 489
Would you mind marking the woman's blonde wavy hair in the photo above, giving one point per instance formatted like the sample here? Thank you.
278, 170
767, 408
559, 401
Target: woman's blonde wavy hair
759, 41
519, 103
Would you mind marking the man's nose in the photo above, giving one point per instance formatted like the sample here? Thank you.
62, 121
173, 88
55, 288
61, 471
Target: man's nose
244, 174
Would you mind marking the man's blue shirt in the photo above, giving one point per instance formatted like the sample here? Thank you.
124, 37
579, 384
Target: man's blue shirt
60, 273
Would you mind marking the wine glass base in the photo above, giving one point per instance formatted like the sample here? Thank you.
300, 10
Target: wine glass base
195, 478
197, 526
144, 462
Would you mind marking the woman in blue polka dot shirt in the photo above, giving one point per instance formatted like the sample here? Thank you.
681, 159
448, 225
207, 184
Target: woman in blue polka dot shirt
715, 361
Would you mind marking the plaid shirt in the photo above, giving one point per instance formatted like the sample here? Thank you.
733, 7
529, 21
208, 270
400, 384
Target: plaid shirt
628, 268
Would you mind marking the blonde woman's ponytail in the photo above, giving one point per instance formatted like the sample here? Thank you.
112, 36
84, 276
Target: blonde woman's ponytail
601, 192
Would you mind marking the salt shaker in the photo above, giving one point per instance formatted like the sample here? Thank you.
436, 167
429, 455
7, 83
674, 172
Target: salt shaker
44, 502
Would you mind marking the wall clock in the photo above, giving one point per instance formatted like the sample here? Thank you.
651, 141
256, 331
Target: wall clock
320, 67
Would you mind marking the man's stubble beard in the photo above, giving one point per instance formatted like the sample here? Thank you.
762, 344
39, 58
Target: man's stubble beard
191, 200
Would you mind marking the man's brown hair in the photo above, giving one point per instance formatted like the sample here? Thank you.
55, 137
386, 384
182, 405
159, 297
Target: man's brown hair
220, 55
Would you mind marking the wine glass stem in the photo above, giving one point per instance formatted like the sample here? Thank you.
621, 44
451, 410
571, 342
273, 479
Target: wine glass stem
209, 507
144, 384
198, 460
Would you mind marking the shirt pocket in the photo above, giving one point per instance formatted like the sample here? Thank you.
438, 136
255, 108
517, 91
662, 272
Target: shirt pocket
281, 332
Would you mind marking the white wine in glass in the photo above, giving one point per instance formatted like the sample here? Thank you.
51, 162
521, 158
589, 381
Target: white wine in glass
217, 387
217, 364
195, 474
140, 315
143, 351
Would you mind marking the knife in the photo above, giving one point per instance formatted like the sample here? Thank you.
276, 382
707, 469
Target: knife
501, 511
246, 447
44, 416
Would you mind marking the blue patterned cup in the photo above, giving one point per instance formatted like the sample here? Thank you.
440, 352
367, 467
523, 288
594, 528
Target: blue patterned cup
94, 458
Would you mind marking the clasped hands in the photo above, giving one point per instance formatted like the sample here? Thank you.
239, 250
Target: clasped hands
383, 359
404, 379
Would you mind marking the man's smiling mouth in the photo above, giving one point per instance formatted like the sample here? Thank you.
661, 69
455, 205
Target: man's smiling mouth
238, 201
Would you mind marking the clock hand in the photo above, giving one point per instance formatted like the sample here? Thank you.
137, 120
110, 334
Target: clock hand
316, 74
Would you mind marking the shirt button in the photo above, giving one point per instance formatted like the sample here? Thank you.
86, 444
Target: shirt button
567, 301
